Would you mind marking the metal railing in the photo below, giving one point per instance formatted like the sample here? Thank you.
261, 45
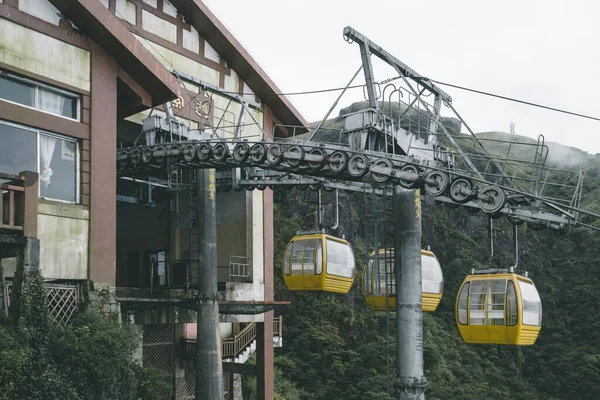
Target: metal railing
18, 202
239, 268
232, 347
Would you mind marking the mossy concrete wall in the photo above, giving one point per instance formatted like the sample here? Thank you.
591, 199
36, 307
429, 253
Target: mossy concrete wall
103, 299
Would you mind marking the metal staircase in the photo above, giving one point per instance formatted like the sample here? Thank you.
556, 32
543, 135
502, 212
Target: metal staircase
239, 347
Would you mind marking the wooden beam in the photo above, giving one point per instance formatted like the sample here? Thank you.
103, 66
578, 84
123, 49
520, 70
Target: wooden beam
237, 368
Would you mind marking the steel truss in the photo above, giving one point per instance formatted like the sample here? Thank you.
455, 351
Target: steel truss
301, 163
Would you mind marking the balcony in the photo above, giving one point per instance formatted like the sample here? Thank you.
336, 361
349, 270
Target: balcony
18, 203
18, 211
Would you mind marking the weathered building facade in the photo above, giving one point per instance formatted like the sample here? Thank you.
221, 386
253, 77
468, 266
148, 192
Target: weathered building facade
78, 78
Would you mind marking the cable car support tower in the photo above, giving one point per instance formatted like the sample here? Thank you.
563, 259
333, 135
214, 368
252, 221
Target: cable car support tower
399, 146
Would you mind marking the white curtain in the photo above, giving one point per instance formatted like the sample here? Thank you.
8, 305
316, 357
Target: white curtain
47, 144
50, 101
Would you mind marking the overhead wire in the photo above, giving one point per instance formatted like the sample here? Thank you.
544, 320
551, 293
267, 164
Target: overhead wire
385, 81
515, 100
335, 89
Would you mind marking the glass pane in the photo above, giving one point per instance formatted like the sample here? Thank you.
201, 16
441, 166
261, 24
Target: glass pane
511, 305
57, 103
532, 304
58, 168
340, 260
18, 151
463, 304
477, 307
319, 262
432, 279
496, 309
309, 261
368, 277
303, 253
17, 91
286, 260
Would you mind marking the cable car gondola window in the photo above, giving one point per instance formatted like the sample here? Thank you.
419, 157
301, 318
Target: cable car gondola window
433, 280
478, 291
286, 260
303, 256
496, 302
369, 278
512, 311
319, 262
463, 304
532, 304
340, 260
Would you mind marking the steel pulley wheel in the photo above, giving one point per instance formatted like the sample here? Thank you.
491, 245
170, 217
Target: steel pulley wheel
316, 165
460, 190
124, 157
136, 155
188, 153
338, 161
358, 165
258, 153
160, 159
250, 188
407, 183
220, 152
314, 187
384, 163
174, 151
442, 182
261, 187
495, 201
203, 152
240, 152
302, 187
514, 220
146, 155
275, 154
293, 162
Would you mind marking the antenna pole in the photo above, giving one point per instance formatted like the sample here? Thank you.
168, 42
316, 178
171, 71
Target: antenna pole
410, 384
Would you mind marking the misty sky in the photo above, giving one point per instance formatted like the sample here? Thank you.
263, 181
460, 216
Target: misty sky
540, 51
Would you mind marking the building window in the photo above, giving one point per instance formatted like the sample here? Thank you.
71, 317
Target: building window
39, 96
54, 157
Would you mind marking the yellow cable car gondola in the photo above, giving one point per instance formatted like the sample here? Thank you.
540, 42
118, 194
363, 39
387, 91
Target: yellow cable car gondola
318, 262
498, 307
379, 281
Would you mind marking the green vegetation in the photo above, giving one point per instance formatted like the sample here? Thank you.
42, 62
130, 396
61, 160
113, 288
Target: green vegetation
336, 348
89, 359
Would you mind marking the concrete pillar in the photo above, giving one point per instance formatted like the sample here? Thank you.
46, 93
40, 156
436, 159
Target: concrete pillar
27, 264
103, 169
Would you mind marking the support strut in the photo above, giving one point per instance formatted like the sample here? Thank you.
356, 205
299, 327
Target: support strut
209, 370
410, 383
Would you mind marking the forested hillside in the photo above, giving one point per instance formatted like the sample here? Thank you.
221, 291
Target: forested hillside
336, 348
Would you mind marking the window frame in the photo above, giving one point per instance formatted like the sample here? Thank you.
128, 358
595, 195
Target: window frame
37, 85
38, 133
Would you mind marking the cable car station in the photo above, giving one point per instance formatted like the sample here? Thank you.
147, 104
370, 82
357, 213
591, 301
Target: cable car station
398, 148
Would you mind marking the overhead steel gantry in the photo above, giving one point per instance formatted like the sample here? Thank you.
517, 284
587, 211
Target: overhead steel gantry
399, 142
